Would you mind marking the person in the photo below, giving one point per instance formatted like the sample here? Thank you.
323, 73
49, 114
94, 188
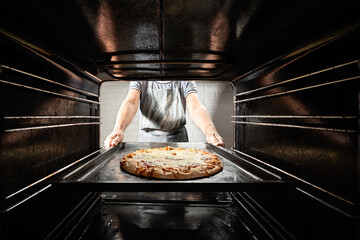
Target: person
162, 113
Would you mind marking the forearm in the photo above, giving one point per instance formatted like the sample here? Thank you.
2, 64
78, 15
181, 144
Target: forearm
202, 119
125, 115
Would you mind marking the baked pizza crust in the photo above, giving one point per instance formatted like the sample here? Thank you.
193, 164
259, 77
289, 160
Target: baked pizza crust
171, 163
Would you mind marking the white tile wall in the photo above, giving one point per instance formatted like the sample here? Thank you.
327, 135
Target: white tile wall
216, 96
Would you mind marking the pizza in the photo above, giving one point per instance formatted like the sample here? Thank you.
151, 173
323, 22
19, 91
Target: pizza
171, 163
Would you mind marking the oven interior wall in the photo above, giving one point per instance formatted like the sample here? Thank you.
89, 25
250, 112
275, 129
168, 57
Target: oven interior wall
49, 120
301, 116
49, 116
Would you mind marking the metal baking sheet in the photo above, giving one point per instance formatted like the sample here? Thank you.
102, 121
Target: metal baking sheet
104, 173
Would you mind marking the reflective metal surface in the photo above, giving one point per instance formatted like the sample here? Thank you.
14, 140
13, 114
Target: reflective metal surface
285, 58
104, 173
47, 108
169, 39
169, 221
301, 116
168, 198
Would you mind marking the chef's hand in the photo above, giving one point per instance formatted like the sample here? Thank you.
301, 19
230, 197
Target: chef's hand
215, 139
115, 137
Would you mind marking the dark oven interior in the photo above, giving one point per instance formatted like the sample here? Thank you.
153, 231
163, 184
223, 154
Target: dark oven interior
291, 173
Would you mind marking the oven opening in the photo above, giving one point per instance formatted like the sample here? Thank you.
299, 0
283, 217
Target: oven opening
216, 96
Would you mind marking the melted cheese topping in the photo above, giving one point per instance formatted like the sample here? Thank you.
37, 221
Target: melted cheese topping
168, 159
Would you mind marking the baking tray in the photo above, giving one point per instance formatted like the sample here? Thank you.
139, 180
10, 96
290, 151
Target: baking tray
103, 173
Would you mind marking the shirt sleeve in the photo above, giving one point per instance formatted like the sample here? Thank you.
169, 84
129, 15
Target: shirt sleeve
189, 87
136, 85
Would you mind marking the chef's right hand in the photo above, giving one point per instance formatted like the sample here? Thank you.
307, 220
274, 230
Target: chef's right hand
115, 137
